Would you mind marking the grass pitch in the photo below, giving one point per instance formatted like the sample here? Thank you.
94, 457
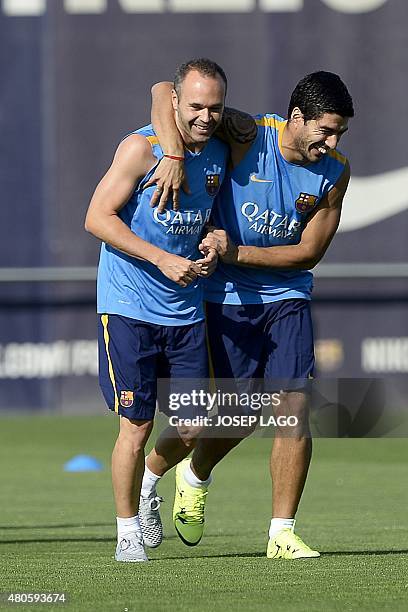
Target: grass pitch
57, 530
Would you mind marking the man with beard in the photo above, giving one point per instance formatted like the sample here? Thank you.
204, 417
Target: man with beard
275, 217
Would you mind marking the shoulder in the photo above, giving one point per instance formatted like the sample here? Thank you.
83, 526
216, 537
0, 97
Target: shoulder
272, 121
135, 149
344, 178
270, 130
342, 166
338, 157
133, 159
336, 194
135, 143
334, 169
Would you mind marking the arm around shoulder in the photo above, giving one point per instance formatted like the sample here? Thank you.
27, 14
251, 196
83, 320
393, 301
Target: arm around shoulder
170, 175
163, 119
238, 129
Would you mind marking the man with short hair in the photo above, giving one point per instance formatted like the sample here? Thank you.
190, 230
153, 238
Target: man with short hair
151, 320
276, 215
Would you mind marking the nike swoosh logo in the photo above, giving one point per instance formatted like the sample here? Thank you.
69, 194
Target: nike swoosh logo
374, 198
255, 179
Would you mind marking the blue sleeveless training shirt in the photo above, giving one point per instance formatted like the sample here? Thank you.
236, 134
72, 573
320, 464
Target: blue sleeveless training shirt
137, 289
265, 201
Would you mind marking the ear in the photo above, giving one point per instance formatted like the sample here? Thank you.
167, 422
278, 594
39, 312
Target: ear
297, 115
174, 99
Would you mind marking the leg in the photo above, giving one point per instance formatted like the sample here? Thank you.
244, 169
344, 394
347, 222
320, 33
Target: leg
182, 367
236, 346
291, 358
127, 372
209, 451
290, 457
171, 448
236, 353
290, 461
127, 473
290, 363
235, 341
128, 465
192, 481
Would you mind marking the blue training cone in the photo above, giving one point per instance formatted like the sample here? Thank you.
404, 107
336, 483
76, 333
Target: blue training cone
83, 463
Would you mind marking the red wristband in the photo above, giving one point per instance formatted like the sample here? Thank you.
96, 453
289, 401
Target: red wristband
176, 157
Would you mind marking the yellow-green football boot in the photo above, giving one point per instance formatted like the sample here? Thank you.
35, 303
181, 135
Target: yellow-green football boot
188, 509
287, 545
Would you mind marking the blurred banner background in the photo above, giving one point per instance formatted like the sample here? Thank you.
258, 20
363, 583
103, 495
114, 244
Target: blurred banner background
75, 77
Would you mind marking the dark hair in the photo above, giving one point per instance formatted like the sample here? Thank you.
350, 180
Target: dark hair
321, 92
204, 66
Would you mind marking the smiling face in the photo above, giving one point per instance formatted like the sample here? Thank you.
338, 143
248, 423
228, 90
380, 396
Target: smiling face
313, 139
198, 108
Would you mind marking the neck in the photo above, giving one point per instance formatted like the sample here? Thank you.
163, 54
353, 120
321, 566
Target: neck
288, 147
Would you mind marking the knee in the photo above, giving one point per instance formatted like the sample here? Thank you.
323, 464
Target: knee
134, 433
189, 435
293, 404
292, 415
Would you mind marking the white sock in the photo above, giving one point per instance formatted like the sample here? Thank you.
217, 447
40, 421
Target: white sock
281, 523
192, 479
149, 482
127, 526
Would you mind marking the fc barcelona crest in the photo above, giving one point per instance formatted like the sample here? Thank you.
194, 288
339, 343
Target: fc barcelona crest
305, 202
126, 399
212, 184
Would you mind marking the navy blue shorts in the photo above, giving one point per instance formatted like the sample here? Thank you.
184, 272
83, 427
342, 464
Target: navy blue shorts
133, 355
271, 341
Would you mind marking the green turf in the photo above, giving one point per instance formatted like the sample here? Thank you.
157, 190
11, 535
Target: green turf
57, 529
